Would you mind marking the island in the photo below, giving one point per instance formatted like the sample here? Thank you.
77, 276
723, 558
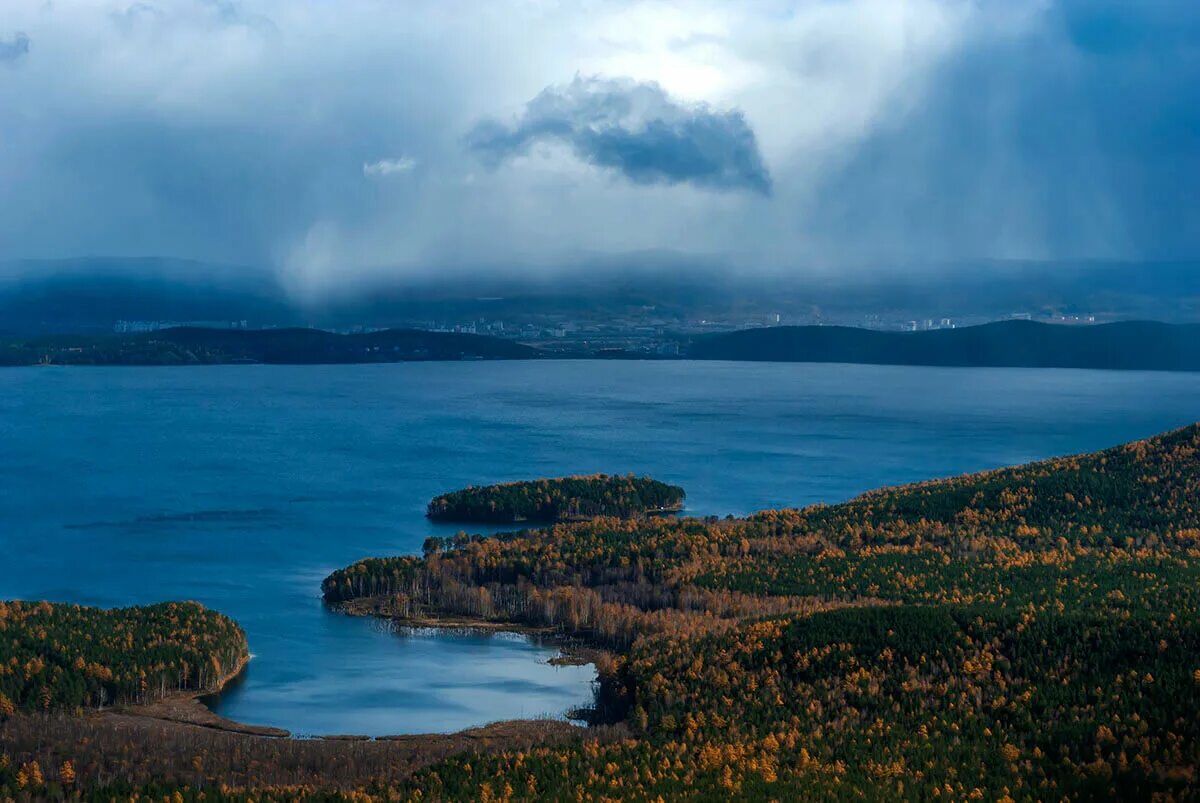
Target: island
558, 499
1027, 633
203, 346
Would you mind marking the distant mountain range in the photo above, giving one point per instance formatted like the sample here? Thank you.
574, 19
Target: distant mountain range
1133, 345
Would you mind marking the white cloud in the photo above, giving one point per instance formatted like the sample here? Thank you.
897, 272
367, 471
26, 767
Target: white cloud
388, 167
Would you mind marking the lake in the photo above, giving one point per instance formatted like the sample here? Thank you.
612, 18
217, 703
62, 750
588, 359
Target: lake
243, 486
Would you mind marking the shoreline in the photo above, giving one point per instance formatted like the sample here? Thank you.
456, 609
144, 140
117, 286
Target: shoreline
572, 652
186, 709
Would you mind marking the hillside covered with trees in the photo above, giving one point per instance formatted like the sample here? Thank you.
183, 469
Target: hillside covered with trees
551, 500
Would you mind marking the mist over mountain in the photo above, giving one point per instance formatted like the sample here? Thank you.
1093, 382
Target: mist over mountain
95, 294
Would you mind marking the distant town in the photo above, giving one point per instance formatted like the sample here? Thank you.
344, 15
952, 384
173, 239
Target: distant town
644, 331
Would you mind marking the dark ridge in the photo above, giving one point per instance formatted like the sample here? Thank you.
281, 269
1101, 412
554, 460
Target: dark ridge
197, 346
1130, 345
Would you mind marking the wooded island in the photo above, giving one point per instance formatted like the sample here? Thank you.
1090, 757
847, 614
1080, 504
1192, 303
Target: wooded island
559, 499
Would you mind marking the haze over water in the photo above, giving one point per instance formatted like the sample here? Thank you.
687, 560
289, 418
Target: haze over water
243, 486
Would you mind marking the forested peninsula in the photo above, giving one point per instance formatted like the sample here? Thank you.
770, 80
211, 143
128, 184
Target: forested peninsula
558, 499
1028, 633
64, 657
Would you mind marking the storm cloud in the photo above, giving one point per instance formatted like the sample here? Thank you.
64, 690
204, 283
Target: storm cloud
635, 129
331, 142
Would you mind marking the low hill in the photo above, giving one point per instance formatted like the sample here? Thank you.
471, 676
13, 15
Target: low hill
1132, 345
198, 346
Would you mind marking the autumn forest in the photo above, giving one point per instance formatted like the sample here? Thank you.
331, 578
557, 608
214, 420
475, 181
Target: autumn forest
1029, 633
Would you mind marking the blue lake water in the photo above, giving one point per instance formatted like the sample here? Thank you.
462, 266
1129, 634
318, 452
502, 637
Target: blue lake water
243, 486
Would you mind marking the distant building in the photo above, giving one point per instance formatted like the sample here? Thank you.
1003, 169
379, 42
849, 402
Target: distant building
126, 327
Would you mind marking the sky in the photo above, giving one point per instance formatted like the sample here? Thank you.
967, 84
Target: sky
340, 140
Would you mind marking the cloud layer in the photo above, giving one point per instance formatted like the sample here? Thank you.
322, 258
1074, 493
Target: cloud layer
636, 130
378, 137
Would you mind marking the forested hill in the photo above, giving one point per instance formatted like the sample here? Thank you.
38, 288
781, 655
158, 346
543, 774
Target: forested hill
200, 346
1132, 345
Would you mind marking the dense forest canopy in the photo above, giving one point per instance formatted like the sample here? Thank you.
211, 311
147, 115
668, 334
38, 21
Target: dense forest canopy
55, 656
549, 500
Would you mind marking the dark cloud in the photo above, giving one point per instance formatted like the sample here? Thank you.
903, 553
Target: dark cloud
939, 132
637, 130
14, 48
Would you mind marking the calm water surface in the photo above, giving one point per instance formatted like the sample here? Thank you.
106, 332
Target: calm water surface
243, 486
